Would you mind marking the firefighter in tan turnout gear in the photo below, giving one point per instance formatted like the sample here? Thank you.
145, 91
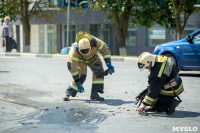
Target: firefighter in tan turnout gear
83, 53
164, 84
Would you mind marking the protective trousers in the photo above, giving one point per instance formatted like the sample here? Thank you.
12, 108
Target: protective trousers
163, 103
96, 66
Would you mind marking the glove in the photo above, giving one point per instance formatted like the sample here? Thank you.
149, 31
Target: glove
80, 87
110, 67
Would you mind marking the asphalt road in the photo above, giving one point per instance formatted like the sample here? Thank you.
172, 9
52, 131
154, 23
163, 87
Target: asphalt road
31, 91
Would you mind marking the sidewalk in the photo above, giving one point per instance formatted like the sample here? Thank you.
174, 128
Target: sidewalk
58, 56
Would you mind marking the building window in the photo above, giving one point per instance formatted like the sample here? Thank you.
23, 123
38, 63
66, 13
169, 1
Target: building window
47, 39
72, 34
131, 36
51, 39
41, 38
156, 35
190, 27
103, 33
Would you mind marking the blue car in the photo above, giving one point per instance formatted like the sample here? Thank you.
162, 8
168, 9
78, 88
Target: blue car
64, 50
185, 53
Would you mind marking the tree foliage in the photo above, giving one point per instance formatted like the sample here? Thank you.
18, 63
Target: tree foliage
137, 12
182, 9
25, 10
171, 14
9, 8
151, 12
119, 11
28, 9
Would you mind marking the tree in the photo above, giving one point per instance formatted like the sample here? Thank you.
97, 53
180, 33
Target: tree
120, 12
25, 10
28, 9
182, 9
151, 12
138, 12
171, 14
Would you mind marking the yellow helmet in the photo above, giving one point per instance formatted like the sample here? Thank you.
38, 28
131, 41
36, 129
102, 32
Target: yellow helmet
84, 46
146, 59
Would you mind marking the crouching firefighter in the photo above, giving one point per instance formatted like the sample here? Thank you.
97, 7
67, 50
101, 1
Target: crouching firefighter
83, 53
164, 84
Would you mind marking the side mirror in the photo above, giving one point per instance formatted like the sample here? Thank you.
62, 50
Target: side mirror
189, 39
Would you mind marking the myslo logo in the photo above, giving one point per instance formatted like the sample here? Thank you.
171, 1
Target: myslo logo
185, 129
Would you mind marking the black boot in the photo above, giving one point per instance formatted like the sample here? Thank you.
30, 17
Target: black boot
95, 95
101, 91
66, 98
172, 106
158, 108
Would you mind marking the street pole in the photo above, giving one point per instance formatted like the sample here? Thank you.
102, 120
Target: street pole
68, 10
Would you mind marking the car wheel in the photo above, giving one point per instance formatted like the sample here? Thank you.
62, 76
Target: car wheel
174, 60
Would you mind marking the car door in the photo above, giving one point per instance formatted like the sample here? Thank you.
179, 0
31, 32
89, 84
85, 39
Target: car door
191, 52
196, 49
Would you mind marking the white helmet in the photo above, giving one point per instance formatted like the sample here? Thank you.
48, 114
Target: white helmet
146, 59
84, 46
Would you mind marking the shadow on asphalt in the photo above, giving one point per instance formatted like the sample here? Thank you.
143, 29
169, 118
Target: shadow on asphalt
111, 102
189, 74
184, 114
177, 114
4, 71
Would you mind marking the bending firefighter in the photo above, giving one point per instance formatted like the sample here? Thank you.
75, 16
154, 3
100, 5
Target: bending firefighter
164, 84
83, 53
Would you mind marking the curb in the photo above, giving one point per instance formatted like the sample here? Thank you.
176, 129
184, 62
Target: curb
58, 56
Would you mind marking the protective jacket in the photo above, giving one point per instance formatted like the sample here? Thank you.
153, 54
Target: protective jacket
162, 79
77, 62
